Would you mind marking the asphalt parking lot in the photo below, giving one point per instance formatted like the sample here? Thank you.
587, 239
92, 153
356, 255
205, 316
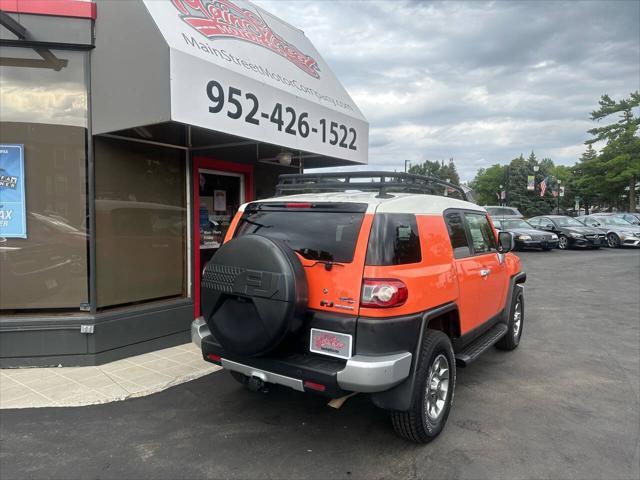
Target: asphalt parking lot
565, 404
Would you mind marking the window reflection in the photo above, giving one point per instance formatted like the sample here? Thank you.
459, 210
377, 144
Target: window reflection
37, 93
46, 111
140, 222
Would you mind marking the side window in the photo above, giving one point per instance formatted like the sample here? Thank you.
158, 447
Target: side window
394, 240
534, 221
481, 233
457, 234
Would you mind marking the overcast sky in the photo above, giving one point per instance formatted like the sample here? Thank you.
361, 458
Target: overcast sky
478, 81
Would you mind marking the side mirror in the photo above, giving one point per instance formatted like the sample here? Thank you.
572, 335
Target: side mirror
506, 242
548, 226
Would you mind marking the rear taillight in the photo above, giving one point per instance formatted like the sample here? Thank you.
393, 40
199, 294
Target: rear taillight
214, 358
314, 386
383, 293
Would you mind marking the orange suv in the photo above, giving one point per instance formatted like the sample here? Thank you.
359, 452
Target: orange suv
372, 282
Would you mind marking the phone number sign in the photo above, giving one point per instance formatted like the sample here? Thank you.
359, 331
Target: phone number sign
227, 102
13, 218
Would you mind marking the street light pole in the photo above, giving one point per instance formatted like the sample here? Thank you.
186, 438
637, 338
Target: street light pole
506, 188
405, 165
559, 182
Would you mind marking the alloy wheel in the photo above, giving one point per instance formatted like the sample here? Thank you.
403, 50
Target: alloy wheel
437, 388
517, 320
613, 241
563, 242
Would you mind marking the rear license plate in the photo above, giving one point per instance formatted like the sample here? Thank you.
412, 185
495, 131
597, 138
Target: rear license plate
329, 343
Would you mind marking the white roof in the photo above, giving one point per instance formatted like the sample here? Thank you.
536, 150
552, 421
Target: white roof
420, 204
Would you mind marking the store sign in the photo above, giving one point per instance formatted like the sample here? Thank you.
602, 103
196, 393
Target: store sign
237, 69
221, 18
13, 219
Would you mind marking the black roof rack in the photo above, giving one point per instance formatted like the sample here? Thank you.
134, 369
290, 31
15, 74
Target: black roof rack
382, 182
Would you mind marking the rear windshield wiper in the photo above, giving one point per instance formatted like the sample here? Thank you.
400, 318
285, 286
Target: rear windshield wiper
257, 224
319, 255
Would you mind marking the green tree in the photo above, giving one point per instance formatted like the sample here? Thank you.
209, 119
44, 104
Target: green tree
530, 203
514, 178
438, 170
428, 168
583, 181
486, 184
450, 172
564, 173
618, 166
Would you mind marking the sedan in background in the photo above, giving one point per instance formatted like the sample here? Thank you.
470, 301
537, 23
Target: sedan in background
620, 233
526, 236
502, 212
570, 232
631, 217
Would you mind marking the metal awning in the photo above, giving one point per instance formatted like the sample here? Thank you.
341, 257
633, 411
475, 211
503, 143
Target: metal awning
224, 66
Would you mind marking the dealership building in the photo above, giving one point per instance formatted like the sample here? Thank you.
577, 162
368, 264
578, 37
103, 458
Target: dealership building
130, 132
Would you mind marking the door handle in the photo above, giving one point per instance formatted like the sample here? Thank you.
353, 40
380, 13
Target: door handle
484, 273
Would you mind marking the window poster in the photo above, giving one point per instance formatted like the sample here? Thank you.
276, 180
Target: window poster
220, 200
13, 218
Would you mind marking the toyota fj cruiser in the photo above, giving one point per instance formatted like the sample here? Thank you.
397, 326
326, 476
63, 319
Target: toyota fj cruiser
371, 282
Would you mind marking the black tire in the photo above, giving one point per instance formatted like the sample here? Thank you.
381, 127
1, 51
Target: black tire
613, 240
563, 242
511, 339
240, 378
415, 424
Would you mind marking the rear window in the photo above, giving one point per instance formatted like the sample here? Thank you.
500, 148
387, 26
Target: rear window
324, 232
394, 240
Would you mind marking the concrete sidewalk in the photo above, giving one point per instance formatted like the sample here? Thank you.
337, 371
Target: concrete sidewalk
76, 386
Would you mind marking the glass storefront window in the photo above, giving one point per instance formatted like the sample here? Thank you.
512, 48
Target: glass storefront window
43, 106
141, 222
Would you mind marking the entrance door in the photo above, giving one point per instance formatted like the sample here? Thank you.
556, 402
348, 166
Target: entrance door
219, 189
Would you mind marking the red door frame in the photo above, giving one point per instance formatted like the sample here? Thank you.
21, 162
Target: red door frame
223, 166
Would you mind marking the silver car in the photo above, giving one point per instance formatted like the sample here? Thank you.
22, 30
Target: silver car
499, 212
631, 217
620, 232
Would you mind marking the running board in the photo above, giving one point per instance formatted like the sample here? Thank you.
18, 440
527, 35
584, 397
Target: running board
480, 344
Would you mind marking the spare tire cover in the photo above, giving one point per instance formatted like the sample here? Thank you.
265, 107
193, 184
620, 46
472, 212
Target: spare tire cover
253, 292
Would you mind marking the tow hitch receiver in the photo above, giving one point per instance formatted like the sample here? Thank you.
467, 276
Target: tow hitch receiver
256, 384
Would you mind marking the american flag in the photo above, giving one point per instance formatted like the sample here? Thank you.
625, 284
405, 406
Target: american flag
543, 187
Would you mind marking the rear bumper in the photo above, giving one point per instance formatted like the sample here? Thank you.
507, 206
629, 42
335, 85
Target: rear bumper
360, 373
374, 374
199, 330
